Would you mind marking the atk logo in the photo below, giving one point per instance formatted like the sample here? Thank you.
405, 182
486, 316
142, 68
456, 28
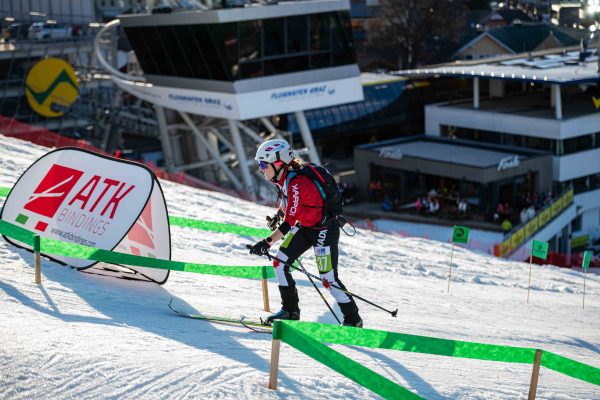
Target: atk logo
53, 191
596, 101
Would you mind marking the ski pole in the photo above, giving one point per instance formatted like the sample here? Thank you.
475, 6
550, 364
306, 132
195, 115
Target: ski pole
392, 313
315, 286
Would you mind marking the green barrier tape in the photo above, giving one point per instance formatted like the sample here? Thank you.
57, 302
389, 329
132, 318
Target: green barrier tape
16, 232
335, 334
418, 344
57, 247
344, 365
572, 368
218, 227
4, 191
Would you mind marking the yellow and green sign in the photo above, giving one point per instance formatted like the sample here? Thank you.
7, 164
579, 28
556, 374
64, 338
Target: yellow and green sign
51, 85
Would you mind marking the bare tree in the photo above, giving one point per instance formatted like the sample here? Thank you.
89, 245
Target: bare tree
415, 32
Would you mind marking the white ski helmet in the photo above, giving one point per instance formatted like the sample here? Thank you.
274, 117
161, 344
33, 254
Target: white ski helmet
275, 150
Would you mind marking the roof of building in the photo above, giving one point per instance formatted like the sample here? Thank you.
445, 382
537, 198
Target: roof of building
451, 151
527, 37
562, 67
524, 37
373, 78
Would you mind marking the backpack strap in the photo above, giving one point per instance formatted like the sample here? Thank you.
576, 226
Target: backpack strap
313, 169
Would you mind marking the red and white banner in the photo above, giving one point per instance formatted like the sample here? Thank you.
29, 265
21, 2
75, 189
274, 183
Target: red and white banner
82, 197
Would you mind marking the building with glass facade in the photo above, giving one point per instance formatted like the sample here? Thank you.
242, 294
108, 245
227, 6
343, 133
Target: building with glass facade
547, 102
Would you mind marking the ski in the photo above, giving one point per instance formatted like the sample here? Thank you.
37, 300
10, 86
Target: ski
254, 326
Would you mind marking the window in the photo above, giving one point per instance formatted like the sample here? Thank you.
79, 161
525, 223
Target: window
274, 35
297, 34
245, 49
250, 42
577, 144
188, 45
342, 39
576, 224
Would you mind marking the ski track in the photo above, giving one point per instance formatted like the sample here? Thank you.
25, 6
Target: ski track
88, 337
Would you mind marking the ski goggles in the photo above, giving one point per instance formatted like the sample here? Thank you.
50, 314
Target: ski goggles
263, 165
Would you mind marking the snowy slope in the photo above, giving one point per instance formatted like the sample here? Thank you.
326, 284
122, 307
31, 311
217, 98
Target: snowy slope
88, 336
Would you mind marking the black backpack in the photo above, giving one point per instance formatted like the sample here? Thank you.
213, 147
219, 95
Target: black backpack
328, 187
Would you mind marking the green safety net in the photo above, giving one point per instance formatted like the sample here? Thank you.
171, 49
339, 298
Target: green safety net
60, 248
336, 334
340, 363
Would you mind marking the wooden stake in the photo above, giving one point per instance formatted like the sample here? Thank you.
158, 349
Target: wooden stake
36, 259
275, 345
584, 276
450, 271
529, 282
535, 375
265, 290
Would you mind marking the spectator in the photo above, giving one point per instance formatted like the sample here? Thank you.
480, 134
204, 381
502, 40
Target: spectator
6, 37
462, 206
507, 210
418, 204
349, 193
371, 191
496, 217
378, 189
506, 226
531, 212
424, 204
500, 210
523, 216
434, 206
387, 204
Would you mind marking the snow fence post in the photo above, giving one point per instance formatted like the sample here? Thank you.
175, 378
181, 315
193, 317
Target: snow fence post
265, 290
275, 345
450, 269
535, 374
36, 259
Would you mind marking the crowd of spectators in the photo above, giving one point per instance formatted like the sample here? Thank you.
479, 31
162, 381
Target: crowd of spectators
435, 202
528, 203
450, 203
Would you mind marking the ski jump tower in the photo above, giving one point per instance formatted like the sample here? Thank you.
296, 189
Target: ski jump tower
217, 75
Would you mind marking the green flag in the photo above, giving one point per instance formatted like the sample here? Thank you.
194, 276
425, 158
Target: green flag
587, 257
539, 249
460, 234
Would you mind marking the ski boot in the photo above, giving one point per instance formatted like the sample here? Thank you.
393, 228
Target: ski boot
351, 316
289, 301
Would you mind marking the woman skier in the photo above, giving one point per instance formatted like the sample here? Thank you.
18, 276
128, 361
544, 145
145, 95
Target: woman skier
303, 214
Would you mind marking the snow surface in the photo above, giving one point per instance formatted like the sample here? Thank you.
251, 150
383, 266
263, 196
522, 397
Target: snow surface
88, 336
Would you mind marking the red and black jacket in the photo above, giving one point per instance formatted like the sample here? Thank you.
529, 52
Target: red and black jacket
301, 200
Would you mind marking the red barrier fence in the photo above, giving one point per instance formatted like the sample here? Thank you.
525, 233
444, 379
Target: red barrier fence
43, 137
